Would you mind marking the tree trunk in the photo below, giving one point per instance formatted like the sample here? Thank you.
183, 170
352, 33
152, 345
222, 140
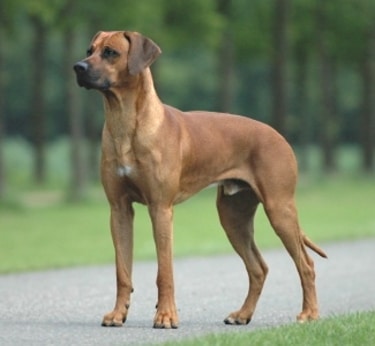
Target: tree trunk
328, 115
74, 111
94, 119
38, 120
226, 57
302, 110
2, 118
367, 135
279, 65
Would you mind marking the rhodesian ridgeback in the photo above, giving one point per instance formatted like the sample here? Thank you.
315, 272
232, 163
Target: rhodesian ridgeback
159, 156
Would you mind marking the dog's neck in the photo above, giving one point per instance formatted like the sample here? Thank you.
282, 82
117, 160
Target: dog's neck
131, 110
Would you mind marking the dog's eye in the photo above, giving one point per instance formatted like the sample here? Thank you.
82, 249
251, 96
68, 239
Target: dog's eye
109, 53
89, 52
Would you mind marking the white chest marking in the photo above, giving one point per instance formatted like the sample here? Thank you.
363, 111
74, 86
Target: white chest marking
125, 171
231, 188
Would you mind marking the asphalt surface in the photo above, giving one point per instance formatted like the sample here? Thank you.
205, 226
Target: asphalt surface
65, 307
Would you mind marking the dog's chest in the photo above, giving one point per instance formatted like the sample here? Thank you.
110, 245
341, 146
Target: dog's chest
125, 170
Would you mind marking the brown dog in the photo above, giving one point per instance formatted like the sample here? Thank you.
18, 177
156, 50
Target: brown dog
159, 156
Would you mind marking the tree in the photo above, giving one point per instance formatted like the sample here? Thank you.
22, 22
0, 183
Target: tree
226, 59
302, 48
301, 101
38, 102
279, 64
40, 14
78, 181
2, 115
327, 78
367, 75
367, 70
7, 13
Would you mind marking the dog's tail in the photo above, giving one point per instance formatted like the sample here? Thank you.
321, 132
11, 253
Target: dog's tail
313, 246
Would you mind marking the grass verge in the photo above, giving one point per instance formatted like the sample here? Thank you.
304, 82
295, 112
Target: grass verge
353, 329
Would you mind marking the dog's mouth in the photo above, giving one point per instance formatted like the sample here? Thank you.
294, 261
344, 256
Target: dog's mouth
88, 78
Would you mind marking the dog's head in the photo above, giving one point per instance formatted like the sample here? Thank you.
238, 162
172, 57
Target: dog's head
113, 58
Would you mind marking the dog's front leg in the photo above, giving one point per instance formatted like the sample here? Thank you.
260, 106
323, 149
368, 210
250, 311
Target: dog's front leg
122, 236
162, 222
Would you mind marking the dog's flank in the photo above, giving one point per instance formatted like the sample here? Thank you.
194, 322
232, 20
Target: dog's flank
159, 156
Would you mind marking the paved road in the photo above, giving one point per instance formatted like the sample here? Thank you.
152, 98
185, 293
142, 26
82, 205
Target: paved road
64, 307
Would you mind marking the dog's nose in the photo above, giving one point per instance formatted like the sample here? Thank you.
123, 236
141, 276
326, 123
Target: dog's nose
81, 66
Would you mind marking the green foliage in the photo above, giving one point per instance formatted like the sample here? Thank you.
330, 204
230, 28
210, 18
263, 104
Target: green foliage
188, 33
352, 329
48, 11
250, 22
348, 24
185, 22
8, 10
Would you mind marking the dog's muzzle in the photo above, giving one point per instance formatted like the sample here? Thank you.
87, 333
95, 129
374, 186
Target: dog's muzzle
88, 78
81, 69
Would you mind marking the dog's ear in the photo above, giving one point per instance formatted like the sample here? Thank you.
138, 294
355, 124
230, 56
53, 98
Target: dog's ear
96, 36
142, 52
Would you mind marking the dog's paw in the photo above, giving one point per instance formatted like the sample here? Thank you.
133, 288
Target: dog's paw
307, 316
115, 318
166, 319
236, 318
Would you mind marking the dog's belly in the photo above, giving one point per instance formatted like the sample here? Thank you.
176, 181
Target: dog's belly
230, 188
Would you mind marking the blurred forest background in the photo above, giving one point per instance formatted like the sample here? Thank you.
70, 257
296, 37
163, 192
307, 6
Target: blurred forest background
306, 67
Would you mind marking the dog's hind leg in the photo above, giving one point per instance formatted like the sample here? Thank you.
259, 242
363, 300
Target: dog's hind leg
236, 213
284, 220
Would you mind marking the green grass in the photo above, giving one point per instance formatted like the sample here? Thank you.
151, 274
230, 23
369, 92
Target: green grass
354, 329
46, 232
